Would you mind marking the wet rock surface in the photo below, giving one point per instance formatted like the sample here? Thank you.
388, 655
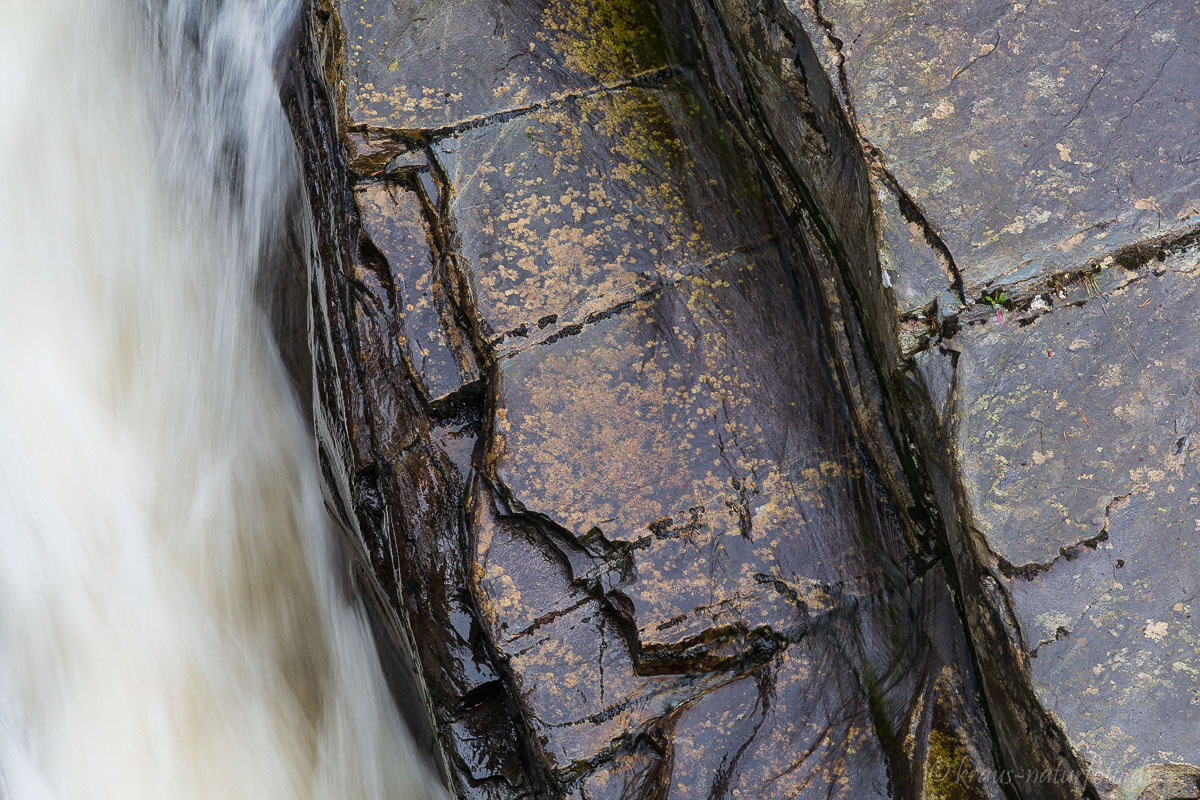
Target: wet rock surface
414, 66
673, 363
1035, 206
1033, 136
1077, 451
581, 401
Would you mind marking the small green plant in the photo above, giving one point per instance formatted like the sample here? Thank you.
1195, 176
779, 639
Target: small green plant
997, 300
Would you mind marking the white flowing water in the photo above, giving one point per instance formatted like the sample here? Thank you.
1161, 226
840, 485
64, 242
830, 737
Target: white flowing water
171, 618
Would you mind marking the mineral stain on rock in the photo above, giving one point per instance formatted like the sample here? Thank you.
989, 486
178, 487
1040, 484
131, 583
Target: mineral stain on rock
413, 66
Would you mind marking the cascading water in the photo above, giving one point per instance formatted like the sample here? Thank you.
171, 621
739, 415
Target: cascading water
171, 619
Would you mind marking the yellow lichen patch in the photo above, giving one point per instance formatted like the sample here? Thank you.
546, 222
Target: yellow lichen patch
573, 209
654, 428
607, 39
421, 66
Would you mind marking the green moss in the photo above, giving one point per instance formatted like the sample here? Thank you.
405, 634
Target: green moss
609, 40
949, 772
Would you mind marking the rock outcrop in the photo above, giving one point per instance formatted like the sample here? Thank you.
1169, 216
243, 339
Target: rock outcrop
713, 391
1031, 180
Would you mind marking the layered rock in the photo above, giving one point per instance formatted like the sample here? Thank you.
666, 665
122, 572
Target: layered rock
580, 391
672, 363
1029, 171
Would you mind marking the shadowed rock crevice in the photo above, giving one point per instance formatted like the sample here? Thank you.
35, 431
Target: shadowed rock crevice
1066, 552
1091, 280
878, 168
393, 448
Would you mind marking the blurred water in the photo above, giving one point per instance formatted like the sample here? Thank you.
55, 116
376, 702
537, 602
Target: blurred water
171, 622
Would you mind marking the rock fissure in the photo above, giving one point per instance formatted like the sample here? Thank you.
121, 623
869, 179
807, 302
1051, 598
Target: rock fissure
708, 652
913, 214
1030, 571
466, 319
877, 162
419, 136
1030, 302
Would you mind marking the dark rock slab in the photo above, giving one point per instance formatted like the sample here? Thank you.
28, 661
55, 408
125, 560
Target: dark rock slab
423, 66
1020, 149
662, 430
571, 211
596, 445
672, 505
1034, 136
916, 272
391, 470
394, 220
772, 735
1077, 444
854, 218
699, 505
571, 664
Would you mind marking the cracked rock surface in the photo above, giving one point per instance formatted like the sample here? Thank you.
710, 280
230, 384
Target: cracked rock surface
766, 398
1033, 136
581, 399
1078, 457
1031, 171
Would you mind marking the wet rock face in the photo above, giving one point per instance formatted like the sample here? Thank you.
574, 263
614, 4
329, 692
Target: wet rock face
580, 389
1035, 211
424, 67
1082, 468
671, 361
1034, 136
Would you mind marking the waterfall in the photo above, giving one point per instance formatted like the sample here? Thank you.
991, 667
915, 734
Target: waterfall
173, 620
